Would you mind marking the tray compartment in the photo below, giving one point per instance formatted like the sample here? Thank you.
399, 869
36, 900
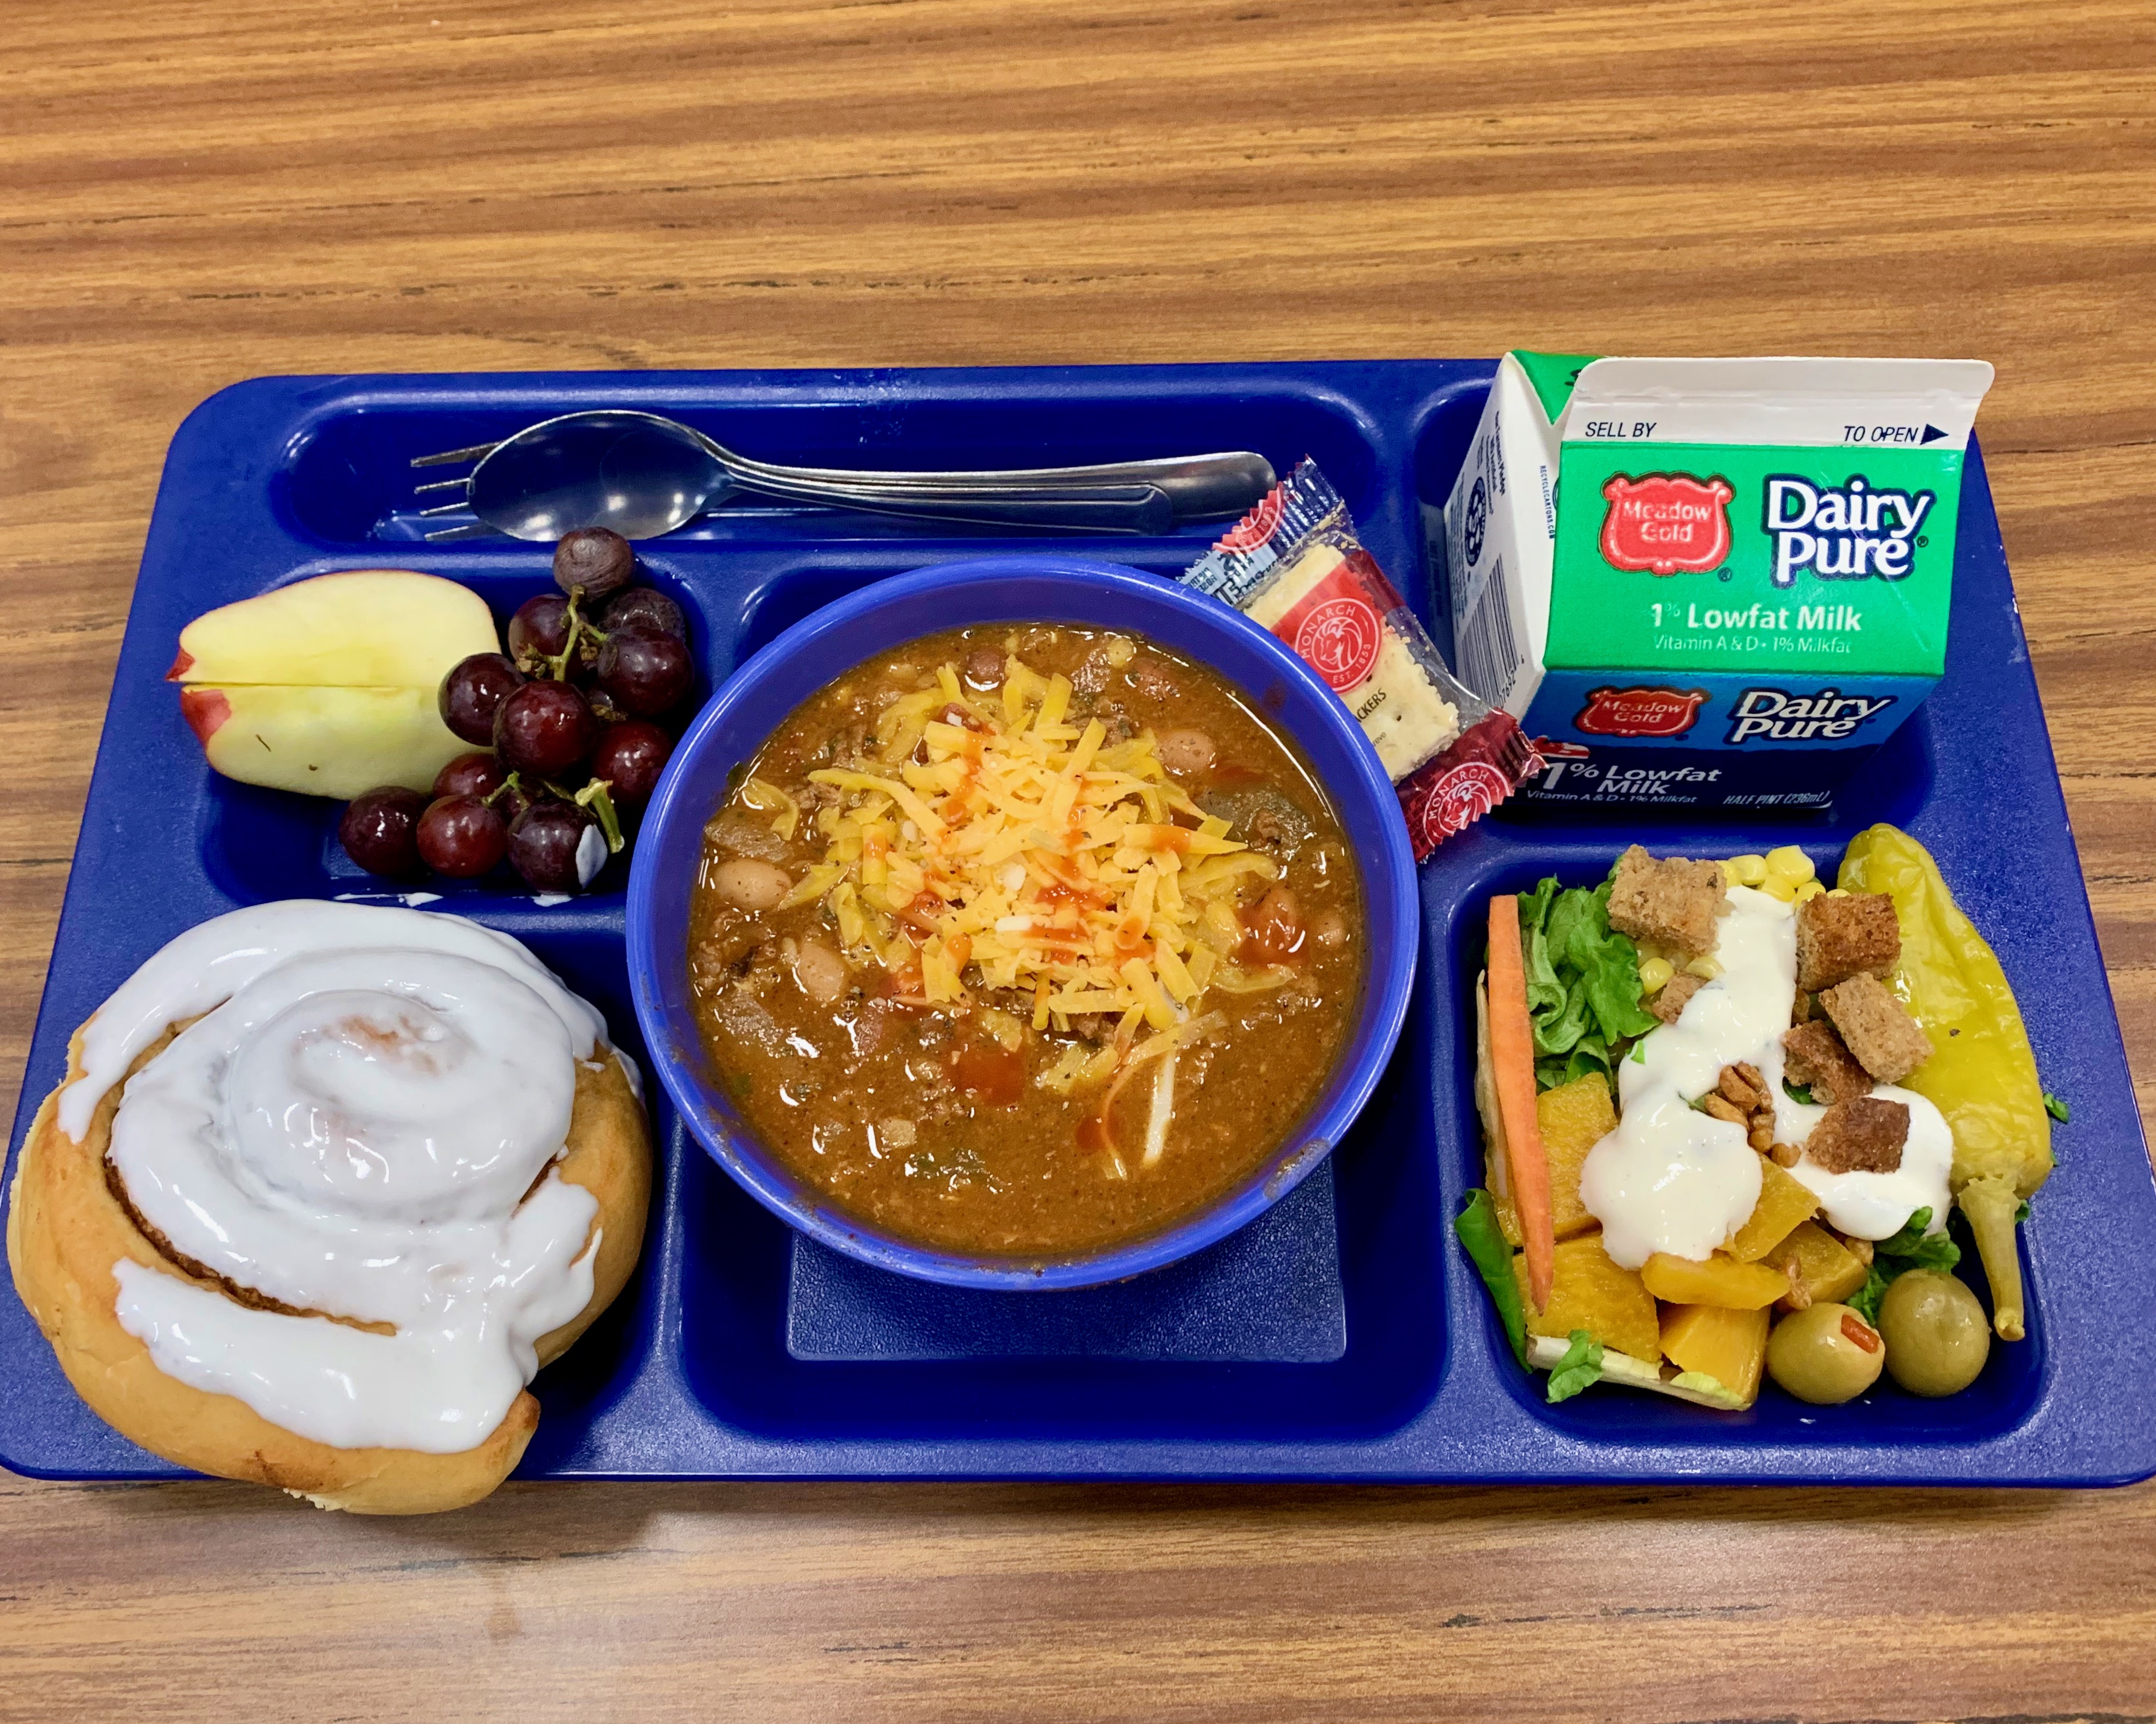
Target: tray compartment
2000, 1400
1268, 1294
348, 480
259, 844
734, 1329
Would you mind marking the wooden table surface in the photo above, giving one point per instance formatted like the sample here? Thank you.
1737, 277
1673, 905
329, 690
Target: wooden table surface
206, 190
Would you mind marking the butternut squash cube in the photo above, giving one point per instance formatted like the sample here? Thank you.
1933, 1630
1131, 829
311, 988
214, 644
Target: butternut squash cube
1719, 1281
1784, 1201
1829, 1269
1574, 1117
1729, 1345
1589, 1292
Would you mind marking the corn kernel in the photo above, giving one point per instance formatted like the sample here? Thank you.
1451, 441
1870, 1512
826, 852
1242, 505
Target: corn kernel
1807, 890
1790, 863
1779, 889
1654, 975
1746, 870
1837, 892
1706, 968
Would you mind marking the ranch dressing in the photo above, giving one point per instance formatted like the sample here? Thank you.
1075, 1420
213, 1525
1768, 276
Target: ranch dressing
1670, 1178
362, 1123
1877, 1206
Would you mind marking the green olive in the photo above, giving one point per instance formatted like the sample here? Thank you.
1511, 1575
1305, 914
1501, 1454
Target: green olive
1825, 1354
1937, 1337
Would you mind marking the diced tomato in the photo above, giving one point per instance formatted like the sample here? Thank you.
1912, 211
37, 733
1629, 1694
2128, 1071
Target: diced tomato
984, 1068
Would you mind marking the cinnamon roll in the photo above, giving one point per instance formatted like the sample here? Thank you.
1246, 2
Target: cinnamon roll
326, 1185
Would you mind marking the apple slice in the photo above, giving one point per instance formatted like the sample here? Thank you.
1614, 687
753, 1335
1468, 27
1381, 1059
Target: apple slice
322, 742
366, 628
329, 686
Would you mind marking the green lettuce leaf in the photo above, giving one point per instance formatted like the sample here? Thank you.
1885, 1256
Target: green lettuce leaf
1613, 990
1578, 925
1909, 1249
1546, 993
1865, 1301
1583, 979
1492, 1252
1916, 1249
1580, 1367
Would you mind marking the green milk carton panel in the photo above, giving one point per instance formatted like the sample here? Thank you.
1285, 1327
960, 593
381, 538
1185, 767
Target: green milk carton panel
1709, 583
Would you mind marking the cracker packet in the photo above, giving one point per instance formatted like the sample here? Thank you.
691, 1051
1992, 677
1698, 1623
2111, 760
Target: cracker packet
1294, 565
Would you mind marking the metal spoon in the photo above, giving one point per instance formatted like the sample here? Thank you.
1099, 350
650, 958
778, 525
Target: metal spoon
642, 476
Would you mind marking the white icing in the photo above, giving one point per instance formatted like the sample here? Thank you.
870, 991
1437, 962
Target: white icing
364, 1127
1877, 1206
1670, 1178
212, 961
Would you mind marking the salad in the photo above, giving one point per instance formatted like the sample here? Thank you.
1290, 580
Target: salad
1729, 1111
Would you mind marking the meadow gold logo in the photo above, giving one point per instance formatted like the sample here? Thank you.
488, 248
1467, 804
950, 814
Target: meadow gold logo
1666, 522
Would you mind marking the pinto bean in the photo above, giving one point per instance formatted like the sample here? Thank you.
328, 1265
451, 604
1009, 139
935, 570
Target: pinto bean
1274, 931
984, 667
751, 885
1185, 753
1329, 928
818, 972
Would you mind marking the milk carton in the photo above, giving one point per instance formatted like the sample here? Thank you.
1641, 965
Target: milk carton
1708, 583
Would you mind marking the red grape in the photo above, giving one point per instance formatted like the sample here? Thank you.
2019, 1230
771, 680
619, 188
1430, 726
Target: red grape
475, 775
379, 831
645, 670
545, 728
538, 632
629, 756
474, 691
461, 836
595, 559
646, 607
556, 847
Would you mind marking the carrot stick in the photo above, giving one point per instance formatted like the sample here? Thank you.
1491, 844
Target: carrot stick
1512, 1066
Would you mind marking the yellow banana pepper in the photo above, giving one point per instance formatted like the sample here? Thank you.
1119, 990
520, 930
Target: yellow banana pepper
1982, 1074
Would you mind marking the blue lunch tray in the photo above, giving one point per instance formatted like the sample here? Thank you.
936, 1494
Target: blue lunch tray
1346, 1337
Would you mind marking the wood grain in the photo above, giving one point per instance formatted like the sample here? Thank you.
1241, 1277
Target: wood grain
211, 189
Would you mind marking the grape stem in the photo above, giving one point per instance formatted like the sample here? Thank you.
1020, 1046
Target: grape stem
503, 789
558, 667
594, 796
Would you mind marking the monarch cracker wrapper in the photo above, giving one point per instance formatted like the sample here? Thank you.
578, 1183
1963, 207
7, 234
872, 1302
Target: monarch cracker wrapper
1294, 565
1713, 584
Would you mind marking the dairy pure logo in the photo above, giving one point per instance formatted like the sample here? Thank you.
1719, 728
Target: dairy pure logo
1775, 715
1850, 533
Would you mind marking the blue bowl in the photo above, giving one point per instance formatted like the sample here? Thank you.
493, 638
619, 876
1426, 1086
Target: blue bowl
1011, 590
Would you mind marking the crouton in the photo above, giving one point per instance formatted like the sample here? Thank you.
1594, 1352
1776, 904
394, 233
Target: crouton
1864, 1135
1669, 1003
1817, 1059
1840, 937
1886, 1040
1673, 902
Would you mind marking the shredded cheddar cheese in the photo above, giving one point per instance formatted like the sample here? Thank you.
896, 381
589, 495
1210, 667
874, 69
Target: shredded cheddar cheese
992, 835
